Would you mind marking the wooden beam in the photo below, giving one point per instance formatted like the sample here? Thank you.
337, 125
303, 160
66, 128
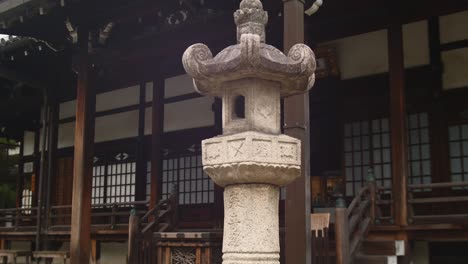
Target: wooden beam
398, 122
157, 129
296, 124
80, 242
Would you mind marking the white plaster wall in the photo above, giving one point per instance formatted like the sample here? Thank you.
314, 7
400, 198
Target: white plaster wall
454, 27
118, 98
20, 245
416, 44
148, 120
67, 109
149, 91
178, 85
455, 68
367, 54
184, 115
362, 55
189, 114
105, 101
113, 253
28, 143
66, 135
117, 126
420, 253
9, 4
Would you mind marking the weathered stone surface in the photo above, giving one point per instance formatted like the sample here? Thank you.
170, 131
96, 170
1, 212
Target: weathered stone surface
262, 106
250, 58
252, 157
251, 224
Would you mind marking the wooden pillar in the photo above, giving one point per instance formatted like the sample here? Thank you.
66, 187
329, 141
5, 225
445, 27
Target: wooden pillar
80, 242
20, 178
296, 124
157, 129
95, 251
132, 238
42, 171
342, 235
51, 156
140, 155
398, 122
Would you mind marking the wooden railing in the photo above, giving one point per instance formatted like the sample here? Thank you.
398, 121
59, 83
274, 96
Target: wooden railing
16, 218
108, 216
103, 216
353, 222
450, 204
384, 209
141, 241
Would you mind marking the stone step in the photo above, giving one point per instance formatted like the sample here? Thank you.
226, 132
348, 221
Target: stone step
376, 259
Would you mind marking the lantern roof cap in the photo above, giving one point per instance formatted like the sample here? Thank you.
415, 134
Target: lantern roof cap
250, 58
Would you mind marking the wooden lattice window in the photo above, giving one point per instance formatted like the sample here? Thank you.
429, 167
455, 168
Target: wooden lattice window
419, 149
195, 187
114, 180
26, 200
458, 140
148, 180
367, 145
99, 176
121, 182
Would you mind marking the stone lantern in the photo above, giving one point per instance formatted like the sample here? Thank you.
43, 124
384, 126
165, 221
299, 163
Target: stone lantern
252, 159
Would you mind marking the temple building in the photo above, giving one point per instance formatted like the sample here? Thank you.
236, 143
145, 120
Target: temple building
101, 131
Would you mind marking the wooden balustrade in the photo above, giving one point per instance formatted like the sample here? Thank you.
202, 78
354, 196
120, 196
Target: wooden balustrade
17, 218
104, 216
141, 240
353, 222
424, 195
188, 247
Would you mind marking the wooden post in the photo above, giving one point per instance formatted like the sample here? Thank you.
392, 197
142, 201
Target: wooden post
296, 124
42, 167
95, 251
140, 160
398, 122
132, 238
342, 234
372, 190
157, 130
20, 178
51, 159
80, 240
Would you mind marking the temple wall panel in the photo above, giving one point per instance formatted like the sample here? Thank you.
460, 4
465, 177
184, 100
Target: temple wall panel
367, 54
66, 135
362, 55
453, 27
149, 91
67, 109
117, 98
186, 114
178, 85
117, 126
455, 68
28, 143
416, 44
